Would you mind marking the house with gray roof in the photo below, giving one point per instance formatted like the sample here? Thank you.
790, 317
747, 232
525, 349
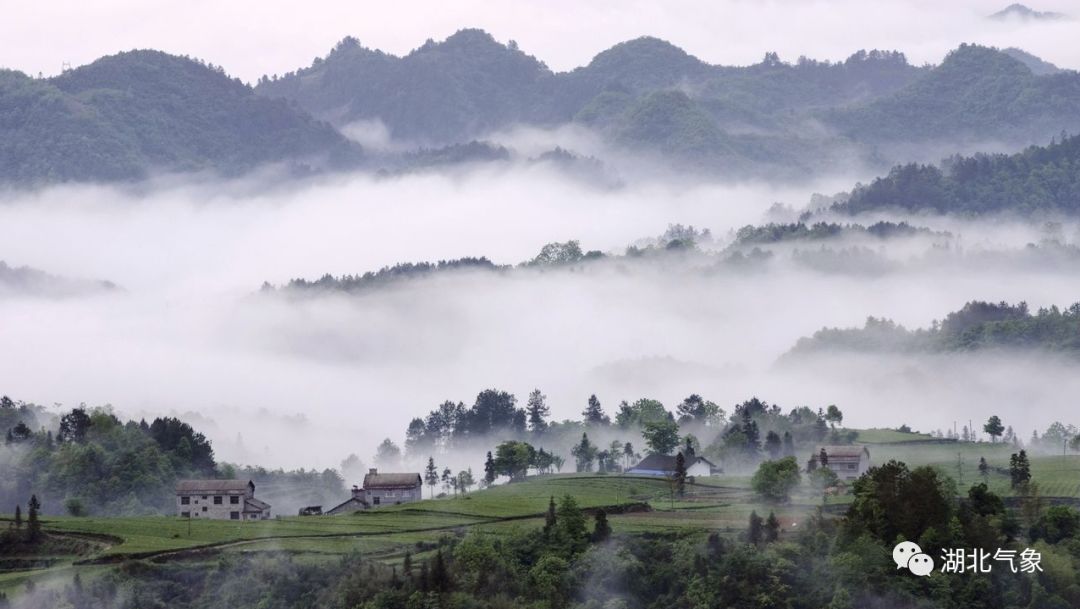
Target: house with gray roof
664, 465
848, 462
219, 500
381, 489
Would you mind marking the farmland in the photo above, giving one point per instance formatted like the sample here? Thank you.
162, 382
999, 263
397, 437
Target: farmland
635, 504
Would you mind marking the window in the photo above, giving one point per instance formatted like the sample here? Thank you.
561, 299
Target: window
185, 514
204, 497
375, 500
185, 501
852, 466
217, 500
234, 500
234, 515
204, 508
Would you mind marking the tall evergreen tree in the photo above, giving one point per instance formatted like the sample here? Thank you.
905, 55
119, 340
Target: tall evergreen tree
594, 413
680, 474
33, 525
18, 517
772, 528
755, 532
489, 470
601, 529
789, 445
431, 475
550, 519
537, 411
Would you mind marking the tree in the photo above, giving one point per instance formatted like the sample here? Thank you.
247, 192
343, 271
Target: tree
489, 470
594, 413
33, 525
388, 455
774, 480
628, 454
680, 474
789, 445
75, 507
773, 445
984, 468
823, 457
512, 459
416, 438
431, 475
696, 410
834, 416
18, 517
994, 428
570, 527
447, 475
601, 529
772, 528
822, 479
558, 462
1019, 469
755, 533
584, 454
465, 480
74, 426
537, 411
661, 436
550, 518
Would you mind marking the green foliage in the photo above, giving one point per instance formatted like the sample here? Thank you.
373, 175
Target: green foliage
1039, 180
978, 325
774, 480
388, 275
661, 436
892, 500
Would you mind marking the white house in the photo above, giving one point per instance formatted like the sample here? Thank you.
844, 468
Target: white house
664, 465
381, 489
219, 500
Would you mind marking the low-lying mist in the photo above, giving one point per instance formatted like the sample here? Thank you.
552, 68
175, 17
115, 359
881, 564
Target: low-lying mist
278, 379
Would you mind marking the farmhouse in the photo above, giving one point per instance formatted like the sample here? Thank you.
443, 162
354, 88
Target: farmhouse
381, 489
664, 465
219, 500
849, 462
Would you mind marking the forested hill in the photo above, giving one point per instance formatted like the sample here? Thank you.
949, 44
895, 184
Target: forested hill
1039, 180
977, 326
976, 94
128, 115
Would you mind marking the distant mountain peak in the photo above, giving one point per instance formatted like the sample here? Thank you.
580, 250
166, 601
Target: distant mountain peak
1025, 13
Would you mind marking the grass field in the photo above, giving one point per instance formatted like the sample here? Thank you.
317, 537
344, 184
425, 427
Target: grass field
721, 503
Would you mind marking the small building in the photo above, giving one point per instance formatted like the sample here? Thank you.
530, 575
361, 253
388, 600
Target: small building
664, 465
848, 462
219, 500
381, 489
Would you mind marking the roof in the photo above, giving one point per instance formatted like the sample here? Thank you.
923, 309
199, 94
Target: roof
391, 481
252, 504
338, 507
666, 463
843, 452
213, 486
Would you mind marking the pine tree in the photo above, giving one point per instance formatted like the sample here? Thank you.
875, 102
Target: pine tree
602, 529
33, 525
406, 565
754, 534
594, 413
823, 457
440, 576
772, 528
680, 474
18, 517
789, 445
550, 519
984, 468
431, 475
489, 470
537, 410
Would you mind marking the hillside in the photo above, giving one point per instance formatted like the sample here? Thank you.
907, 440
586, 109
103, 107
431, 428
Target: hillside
129, 115
977, 93
978, 326
1039, 180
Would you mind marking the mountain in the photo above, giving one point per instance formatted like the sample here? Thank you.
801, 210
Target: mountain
1038, 66
1040, 180
27, 281
976, 94
126, 116
1024, 13
440, 93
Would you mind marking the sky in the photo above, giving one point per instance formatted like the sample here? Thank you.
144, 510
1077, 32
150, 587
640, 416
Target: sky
255, 37
187, 336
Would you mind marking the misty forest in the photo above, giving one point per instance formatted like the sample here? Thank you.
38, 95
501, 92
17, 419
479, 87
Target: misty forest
694, 305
